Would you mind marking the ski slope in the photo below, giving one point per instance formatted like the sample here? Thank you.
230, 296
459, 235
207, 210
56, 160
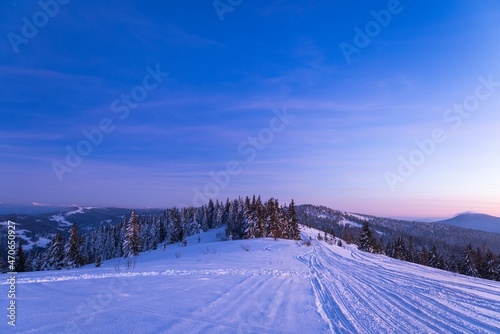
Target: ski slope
365, 293
254, 286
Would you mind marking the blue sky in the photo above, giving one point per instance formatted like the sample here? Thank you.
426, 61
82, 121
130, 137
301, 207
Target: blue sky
231, 71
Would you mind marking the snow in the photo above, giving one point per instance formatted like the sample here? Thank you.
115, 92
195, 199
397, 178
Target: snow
79, 210
358, 216
40, 204
41, 242
274, 287
21, 233
60, 219
348, 222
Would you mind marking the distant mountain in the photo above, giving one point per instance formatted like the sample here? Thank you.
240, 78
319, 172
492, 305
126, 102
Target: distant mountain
474, 221
33, 209
37, 224
450, 240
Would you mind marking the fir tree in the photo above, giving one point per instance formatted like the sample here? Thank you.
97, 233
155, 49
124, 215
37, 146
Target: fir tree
131, 240
204, 218
162, 234
433, 257
219, 214
20, 260
227, 210
469, 263
98, 261
175, 226
293, 223
452, 264
72, 258
211, 214
489, 266
54, 256
423, 257
479, 260
412, 257
251, 220
273, 224
261, 219
399, 249
366, 240
389, 249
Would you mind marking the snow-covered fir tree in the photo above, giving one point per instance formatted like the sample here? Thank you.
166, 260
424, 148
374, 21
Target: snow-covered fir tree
366, 241
469, 262
175, 226
292, 222
251, 221
131, 240
72, 256
411, 255
54, 256
399, 251
490, 266
273, 226
20, 259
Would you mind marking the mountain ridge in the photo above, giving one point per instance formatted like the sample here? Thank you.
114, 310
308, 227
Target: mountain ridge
474, 221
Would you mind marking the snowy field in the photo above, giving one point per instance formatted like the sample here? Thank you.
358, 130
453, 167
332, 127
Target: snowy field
253, 286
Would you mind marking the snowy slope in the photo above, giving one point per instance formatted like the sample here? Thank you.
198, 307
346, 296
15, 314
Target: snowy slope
274, 287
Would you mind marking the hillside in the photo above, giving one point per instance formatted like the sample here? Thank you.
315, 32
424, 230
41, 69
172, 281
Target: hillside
422, 241
37, 225
449, 240
475, 221
255, 286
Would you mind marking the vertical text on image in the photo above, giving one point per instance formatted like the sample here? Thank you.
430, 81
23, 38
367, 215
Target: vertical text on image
12, 278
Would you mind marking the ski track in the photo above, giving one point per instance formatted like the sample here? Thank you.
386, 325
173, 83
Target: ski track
358, 294
173, 272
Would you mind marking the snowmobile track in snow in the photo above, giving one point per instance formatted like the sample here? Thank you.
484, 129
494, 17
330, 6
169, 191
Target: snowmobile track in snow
360, 294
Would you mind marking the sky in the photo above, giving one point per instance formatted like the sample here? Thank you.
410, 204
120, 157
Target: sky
389, 108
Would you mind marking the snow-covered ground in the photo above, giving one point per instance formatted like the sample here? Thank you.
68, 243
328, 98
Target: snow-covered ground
21, 233
41, 242
358, 216
254, 286
348, 222
60, 218
79, 209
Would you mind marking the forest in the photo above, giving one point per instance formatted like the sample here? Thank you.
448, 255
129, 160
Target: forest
244, 219
469, 252
465, 251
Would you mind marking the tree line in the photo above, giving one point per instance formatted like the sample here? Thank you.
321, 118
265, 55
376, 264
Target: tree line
430, 244
244, 219
472, 262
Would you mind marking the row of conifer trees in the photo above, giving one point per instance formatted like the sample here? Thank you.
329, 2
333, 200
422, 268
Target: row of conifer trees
244, 218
